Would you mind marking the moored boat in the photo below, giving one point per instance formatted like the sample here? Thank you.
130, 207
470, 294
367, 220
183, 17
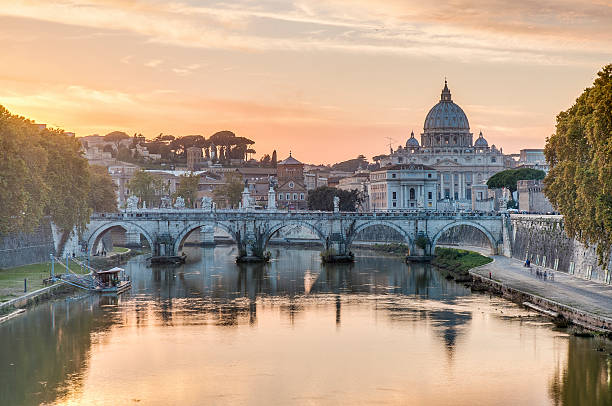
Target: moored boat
112, 281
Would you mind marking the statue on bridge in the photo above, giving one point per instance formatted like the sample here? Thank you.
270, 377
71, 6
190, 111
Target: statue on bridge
207, 203
132, 203
166, 202
179, 203
336, 204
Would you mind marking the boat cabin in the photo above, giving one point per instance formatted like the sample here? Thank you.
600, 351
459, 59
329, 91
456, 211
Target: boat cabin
110, 277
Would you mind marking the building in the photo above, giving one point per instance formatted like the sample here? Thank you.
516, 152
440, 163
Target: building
448, 147
533, 159
404, 187
360, 181
194, 158
314, 179
531, 197
291, 192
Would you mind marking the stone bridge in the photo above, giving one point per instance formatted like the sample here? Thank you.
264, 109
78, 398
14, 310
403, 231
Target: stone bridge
167, 229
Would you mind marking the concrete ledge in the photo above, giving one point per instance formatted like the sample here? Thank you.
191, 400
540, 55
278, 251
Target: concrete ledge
576, 316
36, 295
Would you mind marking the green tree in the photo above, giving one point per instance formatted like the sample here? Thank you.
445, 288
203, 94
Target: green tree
274, 159
322, 198
102, 191
229, 194
510, 177
67, 176
351, 165
188, 189
579, 183
23, 191
148, 188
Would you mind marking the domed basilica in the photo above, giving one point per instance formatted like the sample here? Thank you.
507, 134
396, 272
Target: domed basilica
447, 145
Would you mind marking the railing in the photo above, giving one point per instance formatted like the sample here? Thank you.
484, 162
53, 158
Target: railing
228, 214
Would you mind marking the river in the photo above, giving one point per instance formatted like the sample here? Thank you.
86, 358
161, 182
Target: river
295, 331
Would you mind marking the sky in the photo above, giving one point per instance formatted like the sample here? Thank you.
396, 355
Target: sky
326, 79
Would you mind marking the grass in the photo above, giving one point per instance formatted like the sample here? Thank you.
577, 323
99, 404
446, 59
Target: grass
11, 279
120, 249
458, 262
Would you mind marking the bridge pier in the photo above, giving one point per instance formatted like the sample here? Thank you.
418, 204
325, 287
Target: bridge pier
251, 242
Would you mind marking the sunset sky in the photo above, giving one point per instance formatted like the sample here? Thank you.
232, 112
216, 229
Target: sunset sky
327, 79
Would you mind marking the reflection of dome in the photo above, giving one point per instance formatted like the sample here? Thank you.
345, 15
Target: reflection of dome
446, 114
412, 142
481, 142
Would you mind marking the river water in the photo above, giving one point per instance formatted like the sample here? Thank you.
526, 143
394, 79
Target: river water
295, 332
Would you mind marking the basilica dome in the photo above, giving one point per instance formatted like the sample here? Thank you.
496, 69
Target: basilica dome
412, 142
446, 114
480, 141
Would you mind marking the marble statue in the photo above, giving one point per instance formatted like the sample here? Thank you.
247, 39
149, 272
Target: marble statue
336, 204
132, 203
179, 203
207, 203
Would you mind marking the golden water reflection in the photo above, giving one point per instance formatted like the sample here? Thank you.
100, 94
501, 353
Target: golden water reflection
295, 332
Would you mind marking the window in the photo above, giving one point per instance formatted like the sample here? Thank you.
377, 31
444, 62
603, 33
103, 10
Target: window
412, 194
429, 195
301, 196
493, 159
288, 196
295, 196
429, 175
291, 185
395, 195
394, 204
280, 196
393, 175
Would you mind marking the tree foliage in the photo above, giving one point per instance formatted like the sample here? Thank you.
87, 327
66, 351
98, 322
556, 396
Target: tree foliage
149, 188
508, 178
229, 194
42, 172
188, 189
351, 165
579, 183
322, 198
102, 191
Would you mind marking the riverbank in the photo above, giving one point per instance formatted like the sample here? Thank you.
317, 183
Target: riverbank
12, 279
456, 263
583, 303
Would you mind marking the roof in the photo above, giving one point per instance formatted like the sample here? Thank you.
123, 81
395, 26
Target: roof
112, 270
290, 161
257, 171
410, 167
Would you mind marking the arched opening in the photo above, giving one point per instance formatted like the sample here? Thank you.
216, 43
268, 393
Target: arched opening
116, 238
381, 233
294, 234
201, 235
465, 235
412, 194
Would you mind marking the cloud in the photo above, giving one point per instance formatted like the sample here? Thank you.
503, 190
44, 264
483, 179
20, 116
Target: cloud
543, 32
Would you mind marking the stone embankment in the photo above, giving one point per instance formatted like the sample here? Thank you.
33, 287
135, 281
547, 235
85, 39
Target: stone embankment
583, 303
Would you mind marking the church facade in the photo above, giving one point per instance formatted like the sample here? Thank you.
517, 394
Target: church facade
447, 145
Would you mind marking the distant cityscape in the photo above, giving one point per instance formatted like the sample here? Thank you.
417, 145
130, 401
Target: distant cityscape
446, 170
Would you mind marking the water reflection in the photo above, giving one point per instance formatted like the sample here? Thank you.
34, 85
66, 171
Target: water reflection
294, 331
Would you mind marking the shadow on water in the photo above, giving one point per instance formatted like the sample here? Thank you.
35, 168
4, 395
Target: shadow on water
46, 353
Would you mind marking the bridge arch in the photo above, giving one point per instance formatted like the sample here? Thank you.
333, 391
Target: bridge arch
95, 236
487, 233
182, 236
385, 223
279, 226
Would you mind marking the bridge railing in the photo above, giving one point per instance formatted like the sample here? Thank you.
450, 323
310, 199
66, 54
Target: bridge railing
229, 214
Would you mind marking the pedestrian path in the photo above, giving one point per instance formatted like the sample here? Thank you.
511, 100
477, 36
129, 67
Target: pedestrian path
588, 296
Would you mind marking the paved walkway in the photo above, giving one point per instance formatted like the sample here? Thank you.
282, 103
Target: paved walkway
592, 297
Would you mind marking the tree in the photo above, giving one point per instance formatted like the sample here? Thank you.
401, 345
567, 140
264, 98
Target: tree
188, 188
229, 194
102, 191
116, 137
579, 183
510, 177
274, 159
23, 191
110, 149
67, 176
265, 161
322, 198
148, 188
351, 165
